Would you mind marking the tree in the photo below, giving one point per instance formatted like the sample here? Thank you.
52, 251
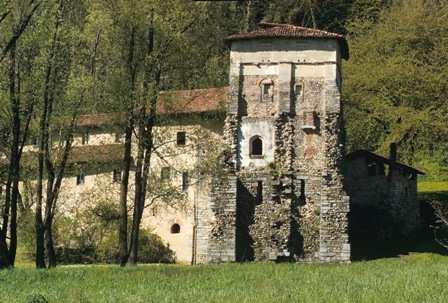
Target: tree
402, 97
20, 115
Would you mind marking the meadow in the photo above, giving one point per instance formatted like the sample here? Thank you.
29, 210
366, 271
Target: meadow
411, 277
420, 277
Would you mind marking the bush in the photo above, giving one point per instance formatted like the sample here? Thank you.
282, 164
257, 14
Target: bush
90, 235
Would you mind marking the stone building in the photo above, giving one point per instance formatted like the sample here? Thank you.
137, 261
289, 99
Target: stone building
383, 200
278, 189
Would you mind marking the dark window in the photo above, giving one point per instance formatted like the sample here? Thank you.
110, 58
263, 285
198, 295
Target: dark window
267, 91
181, 138
302, 188
175, 228
116, 177
80, 178
185, 181
85, 138
259, 198
371, 169
298, 91
256, 146
165, 173
117, 137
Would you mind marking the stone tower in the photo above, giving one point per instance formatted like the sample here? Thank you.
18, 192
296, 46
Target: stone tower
282, 194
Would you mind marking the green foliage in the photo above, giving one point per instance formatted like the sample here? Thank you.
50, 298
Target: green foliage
36, 298
395, 88
411, 278
89, 235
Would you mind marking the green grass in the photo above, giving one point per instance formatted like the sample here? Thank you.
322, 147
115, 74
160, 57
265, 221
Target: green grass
431, 186
414, 278
430, 190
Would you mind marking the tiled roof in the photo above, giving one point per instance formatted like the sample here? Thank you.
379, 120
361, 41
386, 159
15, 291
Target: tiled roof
370, 155
98, 154
289, 31
193, 101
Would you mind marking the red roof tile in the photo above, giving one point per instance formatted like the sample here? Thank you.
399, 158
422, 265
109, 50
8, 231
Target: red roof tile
193, 101
170, 102
289, 31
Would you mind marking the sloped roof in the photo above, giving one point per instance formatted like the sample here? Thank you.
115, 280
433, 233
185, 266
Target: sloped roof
290, 31
98, 154
367, 154
193, 101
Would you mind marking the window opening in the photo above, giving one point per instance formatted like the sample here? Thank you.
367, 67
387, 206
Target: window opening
85, 138
259, 198
256, 146
165, 173
116, 175
80, 178
185, 181
181, 138
175, 228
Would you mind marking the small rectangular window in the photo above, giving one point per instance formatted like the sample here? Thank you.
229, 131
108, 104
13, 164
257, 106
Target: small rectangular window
267, 91
117, 137
116, 177
80, 178
298, 90
85, 138
165, 173
181, 138
185, 181
259, 198
302, 196
371, 169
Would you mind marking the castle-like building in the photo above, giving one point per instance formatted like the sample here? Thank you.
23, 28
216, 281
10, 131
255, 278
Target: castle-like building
278, 191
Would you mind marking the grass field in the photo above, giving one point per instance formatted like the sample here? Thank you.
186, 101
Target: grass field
429, 190
417, 277
413, 278
431, 186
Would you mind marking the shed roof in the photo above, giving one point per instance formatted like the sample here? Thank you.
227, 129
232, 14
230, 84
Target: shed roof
290, 31
367, 154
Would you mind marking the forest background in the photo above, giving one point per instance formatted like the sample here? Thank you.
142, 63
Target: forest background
61, 58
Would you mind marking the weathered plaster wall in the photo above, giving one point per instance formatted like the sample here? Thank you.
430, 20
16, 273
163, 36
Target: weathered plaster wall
262, 127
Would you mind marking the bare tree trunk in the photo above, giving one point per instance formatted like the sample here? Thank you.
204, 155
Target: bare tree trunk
144, 137
15, 109
127, 157
133, 254
43, 144
123, 228
49, 244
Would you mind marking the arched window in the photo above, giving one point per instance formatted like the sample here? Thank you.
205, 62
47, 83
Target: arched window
175, 228
256, 146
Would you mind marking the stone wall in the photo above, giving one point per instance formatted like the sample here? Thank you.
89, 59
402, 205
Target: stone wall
222, 230
389, 192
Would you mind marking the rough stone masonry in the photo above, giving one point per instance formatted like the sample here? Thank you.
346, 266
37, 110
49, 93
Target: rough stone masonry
281, 196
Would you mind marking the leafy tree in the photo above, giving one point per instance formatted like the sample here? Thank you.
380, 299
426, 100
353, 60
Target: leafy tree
395, 88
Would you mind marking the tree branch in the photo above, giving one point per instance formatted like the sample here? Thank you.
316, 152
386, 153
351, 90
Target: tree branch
17, 34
